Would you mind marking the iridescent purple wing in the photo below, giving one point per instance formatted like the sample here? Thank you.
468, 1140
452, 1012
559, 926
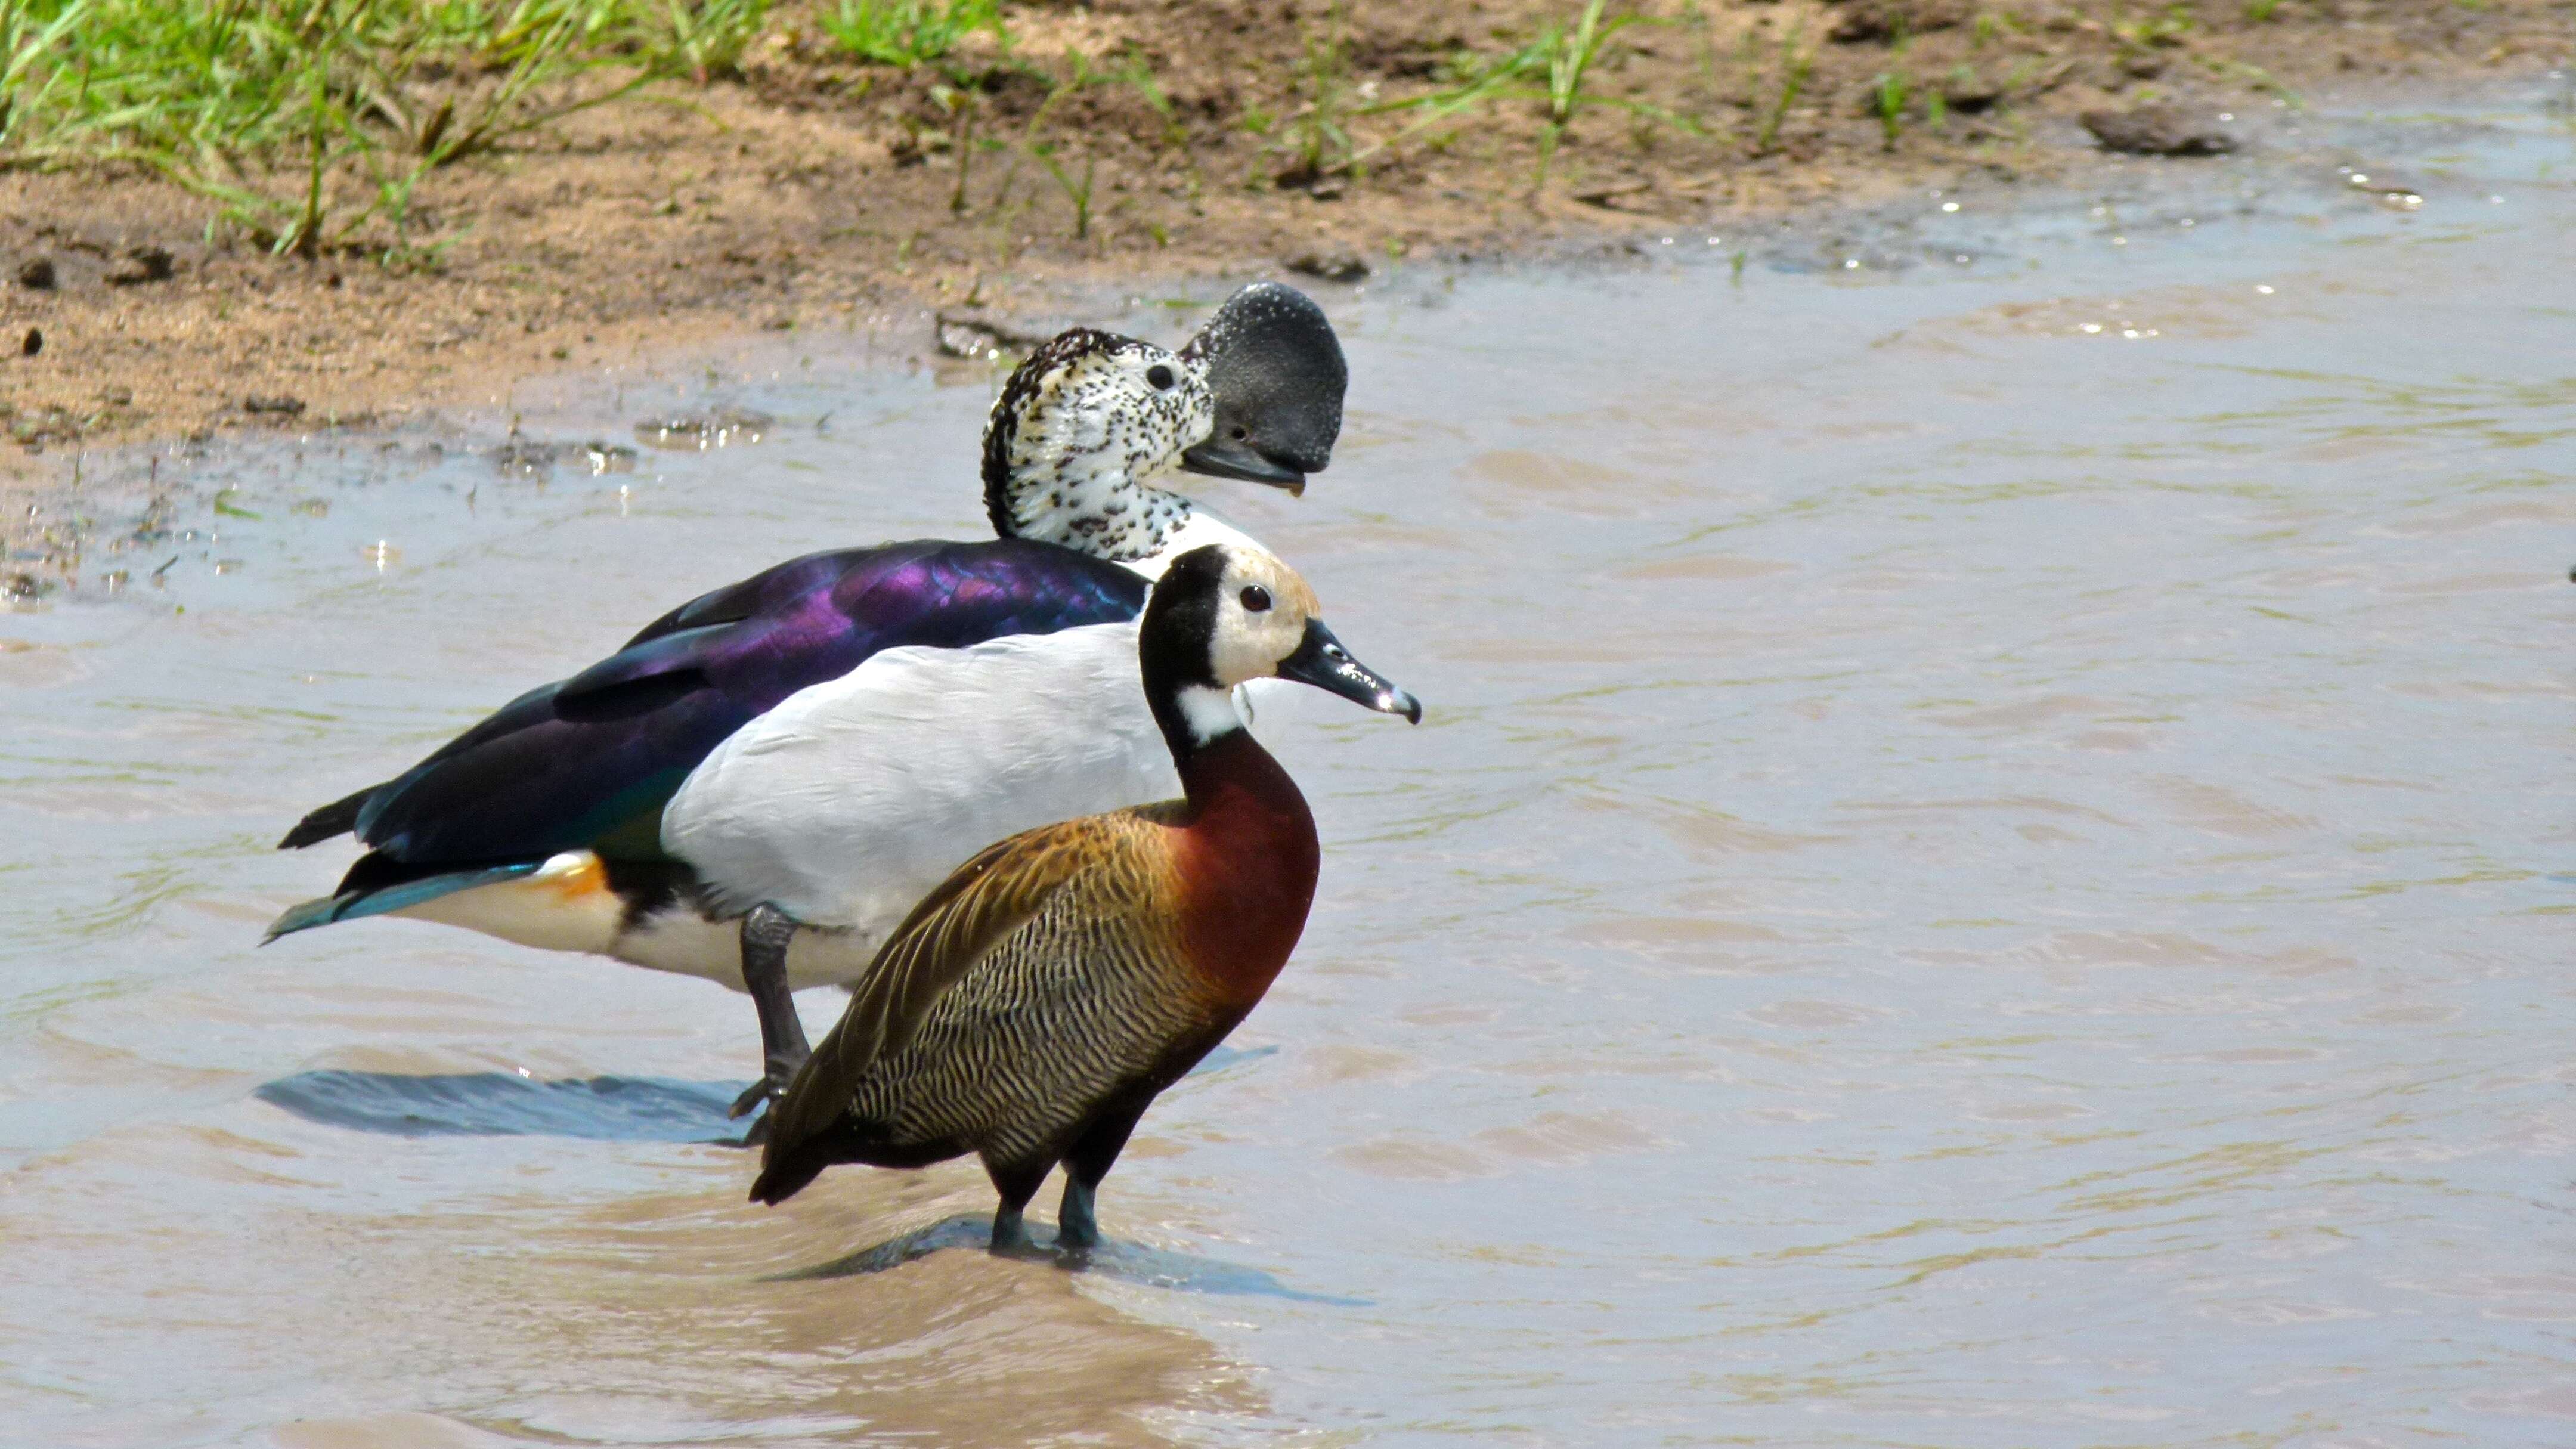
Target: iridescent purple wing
588, 763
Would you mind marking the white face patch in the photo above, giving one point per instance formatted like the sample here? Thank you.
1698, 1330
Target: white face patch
1250, 642
1091, 437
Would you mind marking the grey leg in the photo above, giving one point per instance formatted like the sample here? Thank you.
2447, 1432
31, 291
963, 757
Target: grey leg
1010, 1233
1016, 1183
765, 934
1076, 1228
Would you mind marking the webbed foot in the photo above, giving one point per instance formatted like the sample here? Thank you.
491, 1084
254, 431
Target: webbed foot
783, 1067
1077, 1230
1011, 1238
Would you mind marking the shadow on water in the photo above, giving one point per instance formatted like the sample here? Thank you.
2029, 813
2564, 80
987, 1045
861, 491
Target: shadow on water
499, 1104
1126, 1262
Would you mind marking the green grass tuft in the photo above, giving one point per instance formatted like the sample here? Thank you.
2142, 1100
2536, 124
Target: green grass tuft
910, 33
1319, 139
1570, 56
1887, 101
1796, 64
1553, 68
1076, 192
305, 120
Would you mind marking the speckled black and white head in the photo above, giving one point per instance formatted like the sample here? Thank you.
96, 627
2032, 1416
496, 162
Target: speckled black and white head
1081, 431
1225, 614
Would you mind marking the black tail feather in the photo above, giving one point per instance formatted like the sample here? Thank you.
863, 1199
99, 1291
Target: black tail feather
337, 818
787, 1175
786, 1167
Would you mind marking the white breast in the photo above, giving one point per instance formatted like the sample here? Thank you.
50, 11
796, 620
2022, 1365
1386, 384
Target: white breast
844, 805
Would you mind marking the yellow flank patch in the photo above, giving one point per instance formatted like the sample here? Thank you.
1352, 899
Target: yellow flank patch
589, 878
566, 906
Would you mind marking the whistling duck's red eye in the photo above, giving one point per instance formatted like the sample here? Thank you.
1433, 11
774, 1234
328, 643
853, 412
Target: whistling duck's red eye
1255, 598
1160, 376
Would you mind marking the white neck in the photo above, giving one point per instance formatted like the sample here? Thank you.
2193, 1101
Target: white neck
1210, 713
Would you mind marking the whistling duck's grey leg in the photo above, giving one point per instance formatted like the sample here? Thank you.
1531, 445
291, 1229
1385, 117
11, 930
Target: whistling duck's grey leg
1076, 1227
1010, 1233
1093, 1153
1016, 1183
765, 934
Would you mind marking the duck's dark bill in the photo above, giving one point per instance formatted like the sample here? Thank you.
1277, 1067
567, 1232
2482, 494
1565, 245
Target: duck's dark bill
1321, 661
1230, 460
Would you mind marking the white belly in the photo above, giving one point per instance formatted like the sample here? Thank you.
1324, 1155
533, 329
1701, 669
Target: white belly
849, 801
565, 906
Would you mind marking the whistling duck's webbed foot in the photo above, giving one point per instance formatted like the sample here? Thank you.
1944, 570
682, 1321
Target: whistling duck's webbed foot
765, 934
1015, 1183
1076, 1227
1011, 1235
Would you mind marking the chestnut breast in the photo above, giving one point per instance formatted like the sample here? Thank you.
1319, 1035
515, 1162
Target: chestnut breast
1243, 860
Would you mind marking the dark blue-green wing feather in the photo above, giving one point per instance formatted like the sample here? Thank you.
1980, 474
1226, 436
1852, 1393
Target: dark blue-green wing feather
589, 762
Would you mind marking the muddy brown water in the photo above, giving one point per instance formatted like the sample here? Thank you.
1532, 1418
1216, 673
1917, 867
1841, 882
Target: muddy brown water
1970, 879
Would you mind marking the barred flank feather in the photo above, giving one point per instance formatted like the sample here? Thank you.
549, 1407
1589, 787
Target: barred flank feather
1038, 1026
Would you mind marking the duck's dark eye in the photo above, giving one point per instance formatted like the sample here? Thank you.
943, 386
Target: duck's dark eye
1160, 376
1256, 599
1241, 432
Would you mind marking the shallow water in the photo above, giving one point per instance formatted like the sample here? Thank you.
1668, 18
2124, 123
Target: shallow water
1970, 879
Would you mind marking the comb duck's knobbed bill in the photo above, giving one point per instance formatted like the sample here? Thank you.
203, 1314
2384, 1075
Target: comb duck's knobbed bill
1279, 378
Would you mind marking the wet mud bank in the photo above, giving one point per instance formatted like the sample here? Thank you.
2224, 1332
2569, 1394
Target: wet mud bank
83, 493
1117, 148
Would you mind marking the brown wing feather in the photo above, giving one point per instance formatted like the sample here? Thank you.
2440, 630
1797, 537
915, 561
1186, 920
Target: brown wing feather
980, 904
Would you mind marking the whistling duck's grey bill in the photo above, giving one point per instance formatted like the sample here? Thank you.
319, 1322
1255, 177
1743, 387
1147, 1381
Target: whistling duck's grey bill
1321, 661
